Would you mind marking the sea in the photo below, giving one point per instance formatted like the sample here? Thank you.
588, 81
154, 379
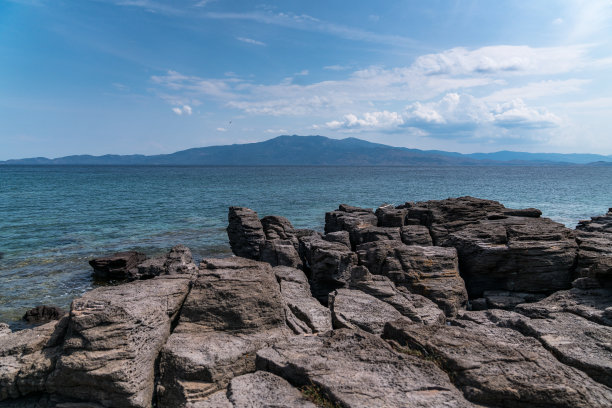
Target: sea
54, 219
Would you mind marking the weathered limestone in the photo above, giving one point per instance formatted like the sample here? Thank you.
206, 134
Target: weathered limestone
350, 219
416, 235
429, 271
304, 313
500, 367
280, 252
114, 336
358, 369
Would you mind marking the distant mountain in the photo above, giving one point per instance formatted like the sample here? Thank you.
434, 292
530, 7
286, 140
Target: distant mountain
317, 151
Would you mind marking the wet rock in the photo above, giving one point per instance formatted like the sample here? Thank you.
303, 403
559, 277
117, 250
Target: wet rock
353, 309
515, 254
234, 308
416, 235
116, 266
329, 264
500, 367
27, 358
307, 315
114, 336
245, 232
341, 237
593, 304
429, 271
280, 252
358, 369
388, 216
43, 313
415, 307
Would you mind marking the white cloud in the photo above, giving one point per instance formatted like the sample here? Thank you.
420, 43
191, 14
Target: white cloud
336, 67
542, 89
250, 41
277, 131
303, 72
185, 109
370, 120
220, 129
558, 21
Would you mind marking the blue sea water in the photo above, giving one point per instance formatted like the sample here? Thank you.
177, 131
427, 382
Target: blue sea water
53, 219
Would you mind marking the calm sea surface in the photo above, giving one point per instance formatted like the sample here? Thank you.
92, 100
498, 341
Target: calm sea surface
54, 219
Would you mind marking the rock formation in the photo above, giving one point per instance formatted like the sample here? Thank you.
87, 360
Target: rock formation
458, 302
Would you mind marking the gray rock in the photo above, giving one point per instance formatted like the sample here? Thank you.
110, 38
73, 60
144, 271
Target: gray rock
43, 313
502, 299
276, 227
4, 329
263, 389
176, 262
371, 234
500, 367
354, 309
417, 308
280, 252
358, 369
27, 358
416, 235
591, 304
148, 269
116, 266
351, 222
515, 254
305, 313
329, 264
429, 271
245, 232
114, 336
338, 236
388, 216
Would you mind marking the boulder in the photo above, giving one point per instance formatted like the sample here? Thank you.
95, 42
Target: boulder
415, 307
245, 232
280, 252
338, 236
234, 308
497, 366
358, 369
259, 389
388, 216
354, 309
114, 336
304, 313
43, 313
371, 234
416, 235
350, 219
429, 271
116, 266
276, 227
515, 254
328, 264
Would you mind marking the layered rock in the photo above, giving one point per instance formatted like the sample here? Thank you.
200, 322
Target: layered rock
350, 219
595, 249
429, 271
43, 313
499, 366
177, 261
358, 369
116, 266
113, 338
245, 232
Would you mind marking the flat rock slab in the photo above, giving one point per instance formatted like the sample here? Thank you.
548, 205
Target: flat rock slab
501, 367
429, 271
592, 304
114, 336
358, 369
354, 309
258, 390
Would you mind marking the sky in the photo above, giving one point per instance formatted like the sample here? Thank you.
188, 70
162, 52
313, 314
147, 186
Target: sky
153, 76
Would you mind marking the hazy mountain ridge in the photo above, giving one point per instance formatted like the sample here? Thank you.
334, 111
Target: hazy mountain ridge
318, 150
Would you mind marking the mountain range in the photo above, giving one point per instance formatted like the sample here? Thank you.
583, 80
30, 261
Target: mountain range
320, 151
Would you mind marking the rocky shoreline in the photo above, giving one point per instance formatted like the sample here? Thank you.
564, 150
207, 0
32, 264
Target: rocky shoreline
457, 302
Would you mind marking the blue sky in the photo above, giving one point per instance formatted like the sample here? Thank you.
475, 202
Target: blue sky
152, 76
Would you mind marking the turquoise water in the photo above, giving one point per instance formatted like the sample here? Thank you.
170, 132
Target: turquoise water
53, 219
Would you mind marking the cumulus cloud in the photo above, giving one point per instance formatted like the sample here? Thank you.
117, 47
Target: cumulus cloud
453, 112
185, 109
